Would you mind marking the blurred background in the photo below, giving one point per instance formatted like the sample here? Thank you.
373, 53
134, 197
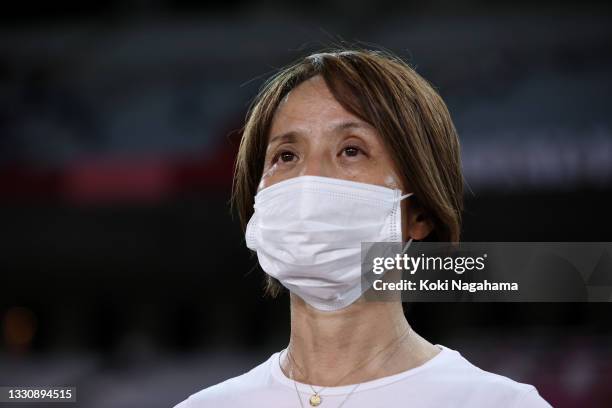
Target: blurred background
122, 270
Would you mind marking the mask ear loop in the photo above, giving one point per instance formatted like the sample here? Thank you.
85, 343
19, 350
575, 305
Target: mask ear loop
406, 246
410, 240
405, 196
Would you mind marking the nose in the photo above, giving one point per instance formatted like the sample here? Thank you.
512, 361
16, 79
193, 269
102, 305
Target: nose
317, 163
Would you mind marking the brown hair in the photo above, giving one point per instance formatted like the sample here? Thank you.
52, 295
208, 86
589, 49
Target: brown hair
381, 89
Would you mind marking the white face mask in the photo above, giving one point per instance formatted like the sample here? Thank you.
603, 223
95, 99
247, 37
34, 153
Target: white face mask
308, 231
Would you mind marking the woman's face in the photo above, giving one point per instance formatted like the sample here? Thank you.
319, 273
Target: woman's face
312, 134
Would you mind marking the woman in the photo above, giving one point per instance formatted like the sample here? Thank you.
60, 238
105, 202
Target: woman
340, 148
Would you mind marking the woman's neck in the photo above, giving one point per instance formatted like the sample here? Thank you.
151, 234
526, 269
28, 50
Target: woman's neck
362, 342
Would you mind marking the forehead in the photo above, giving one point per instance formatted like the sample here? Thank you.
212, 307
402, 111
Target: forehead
309, 103
315, 87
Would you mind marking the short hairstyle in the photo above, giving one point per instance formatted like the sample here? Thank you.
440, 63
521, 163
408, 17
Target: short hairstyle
384, 91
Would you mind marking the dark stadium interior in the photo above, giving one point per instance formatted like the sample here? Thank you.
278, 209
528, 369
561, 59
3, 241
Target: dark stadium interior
123, 271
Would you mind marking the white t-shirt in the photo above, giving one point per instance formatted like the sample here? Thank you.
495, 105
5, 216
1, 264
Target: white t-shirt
447, 380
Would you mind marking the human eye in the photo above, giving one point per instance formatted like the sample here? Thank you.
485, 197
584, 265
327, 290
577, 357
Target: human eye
351, 151
284, 156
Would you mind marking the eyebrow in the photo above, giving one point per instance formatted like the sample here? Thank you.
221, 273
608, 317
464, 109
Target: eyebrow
289, 137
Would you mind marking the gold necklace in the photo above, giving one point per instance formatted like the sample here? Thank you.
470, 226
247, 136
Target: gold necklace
316, 398
300, 398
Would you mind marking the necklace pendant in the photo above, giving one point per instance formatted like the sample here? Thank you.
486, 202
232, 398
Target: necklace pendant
315, 400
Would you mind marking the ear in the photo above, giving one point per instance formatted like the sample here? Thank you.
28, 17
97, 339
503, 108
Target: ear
416, 224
